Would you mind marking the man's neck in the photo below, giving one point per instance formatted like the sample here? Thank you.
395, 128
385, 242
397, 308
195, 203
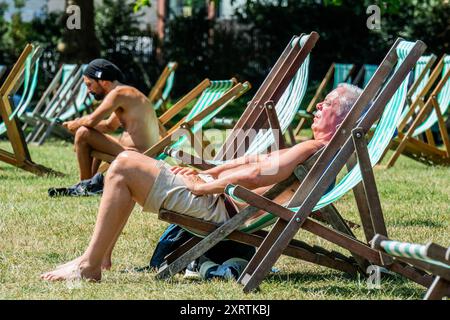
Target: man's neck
113, 85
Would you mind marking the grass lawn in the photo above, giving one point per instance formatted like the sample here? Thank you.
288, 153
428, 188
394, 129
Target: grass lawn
38, 232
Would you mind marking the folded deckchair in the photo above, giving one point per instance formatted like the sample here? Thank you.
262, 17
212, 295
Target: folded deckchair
431, 258
340, 72
21, 71
429, 112
2, 70
50, 94
71, 100
160, 92
212, 97
307, 197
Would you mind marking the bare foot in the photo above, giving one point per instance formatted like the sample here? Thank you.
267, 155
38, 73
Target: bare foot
74, 271
106, 263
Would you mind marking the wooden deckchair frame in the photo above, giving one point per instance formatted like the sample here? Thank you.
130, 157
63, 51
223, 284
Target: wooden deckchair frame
441, 284
57, 105
331, 160
320, 94
157, 90
425, 152
20, 157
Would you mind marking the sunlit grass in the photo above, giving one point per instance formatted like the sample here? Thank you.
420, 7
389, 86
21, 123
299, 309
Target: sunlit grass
38, 232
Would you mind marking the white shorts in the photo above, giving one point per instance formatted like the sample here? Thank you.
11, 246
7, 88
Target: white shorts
169, 192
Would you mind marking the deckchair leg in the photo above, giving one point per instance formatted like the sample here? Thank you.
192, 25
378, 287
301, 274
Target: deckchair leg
333, 217
370, 188
440, 288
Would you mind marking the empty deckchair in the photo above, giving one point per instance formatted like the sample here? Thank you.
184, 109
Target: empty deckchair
350, 137
212, 97
340, 72
364, 74
160, 92
69, 101
20, 156
430, 111
431, 258
51, 92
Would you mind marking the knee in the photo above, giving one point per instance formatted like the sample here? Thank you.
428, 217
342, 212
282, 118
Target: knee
82, 135
122, 164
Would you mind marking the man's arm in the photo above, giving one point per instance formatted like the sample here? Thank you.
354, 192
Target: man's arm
111, 102
109, 125
274, 169
254, 158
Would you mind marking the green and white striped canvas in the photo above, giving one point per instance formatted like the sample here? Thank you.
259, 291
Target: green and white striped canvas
409, 250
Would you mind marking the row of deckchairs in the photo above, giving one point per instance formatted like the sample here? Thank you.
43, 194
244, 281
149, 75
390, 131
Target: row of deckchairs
387, 90
65, 98
426, 107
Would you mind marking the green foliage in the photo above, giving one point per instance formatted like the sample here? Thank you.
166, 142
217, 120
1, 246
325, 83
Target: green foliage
140, 4
114, 20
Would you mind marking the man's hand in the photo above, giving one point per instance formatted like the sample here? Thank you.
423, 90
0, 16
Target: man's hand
192, 182
72, 126
185, 171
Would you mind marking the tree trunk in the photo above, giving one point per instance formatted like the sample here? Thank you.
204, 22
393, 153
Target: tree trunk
79, 44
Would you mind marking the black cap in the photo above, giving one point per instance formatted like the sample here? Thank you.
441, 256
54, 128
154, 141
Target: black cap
101, 69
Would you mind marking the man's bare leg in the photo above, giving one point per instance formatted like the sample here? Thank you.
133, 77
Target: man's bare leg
129, 180
88, 139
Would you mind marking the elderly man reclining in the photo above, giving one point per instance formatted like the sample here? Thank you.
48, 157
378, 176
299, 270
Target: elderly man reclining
134, 177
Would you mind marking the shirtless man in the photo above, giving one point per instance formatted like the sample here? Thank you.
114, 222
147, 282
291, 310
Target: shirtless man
122, 106
134, 177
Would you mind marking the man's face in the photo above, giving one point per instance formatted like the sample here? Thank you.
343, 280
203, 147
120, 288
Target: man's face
326, 118
95, 88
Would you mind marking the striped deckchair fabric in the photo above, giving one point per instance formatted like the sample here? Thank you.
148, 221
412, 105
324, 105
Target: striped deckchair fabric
30, 77
364, 75
369, 72
426, 111
71, 99
431, 258
340, 72
23, 73
214, 92
160, 92
298, 205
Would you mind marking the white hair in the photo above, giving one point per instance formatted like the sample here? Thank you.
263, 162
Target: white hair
348, 98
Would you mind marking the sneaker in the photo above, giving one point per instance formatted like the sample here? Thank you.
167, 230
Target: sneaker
192, 270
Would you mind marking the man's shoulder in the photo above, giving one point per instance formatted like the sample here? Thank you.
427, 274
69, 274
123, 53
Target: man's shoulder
125, 92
